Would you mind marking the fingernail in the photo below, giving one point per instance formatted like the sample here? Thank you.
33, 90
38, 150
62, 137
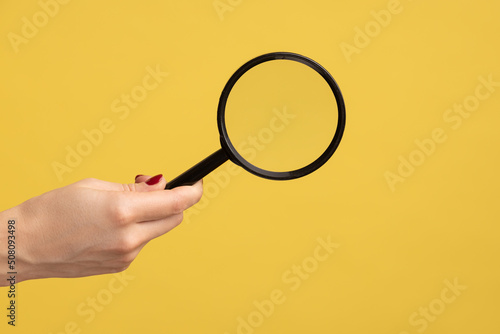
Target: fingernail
138, 176
154, 180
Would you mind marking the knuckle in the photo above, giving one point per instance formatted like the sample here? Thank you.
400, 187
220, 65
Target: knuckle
121, 213
177, 218
125, 259
129, 187
178, 204
125, 246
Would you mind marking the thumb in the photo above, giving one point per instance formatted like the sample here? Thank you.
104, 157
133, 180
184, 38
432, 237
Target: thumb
145, 183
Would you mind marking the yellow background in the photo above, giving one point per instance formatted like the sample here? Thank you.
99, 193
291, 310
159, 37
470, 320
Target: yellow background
396, 247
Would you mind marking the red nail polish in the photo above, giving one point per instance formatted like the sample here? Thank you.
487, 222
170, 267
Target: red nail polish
154, 180
138, 176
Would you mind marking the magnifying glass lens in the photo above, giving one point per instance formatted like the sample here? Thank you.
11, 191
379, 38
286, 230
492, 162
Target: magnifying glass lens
281, 115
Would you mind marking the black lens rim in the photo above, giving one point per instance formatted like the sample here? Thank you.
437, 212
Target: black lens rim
231, 151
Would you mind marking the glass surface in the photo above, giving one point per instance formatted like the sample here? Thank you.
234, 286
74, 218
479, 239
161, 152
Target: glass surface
281, 115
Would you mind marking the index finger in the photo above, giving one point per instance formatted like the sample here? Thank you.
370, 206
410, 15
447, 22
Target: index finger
155, 205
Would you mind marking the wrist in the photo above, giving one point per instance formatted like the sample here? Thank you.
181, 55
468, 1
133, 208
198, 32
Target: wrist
11, 261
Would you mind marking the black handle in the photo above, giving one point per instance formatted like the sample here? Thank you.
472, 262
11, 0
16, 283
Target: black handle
199, 171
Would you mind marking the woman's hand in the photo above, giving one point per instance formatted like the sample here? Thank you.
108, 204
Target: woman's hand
91, 227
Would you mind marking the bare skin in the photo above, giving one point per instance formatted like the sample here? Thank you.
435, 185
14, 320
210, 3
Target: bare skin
91, 227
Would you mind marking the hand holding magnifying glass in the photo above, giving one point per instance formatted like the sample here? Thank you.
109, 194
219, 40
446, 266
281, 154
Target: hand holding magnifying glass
281, 116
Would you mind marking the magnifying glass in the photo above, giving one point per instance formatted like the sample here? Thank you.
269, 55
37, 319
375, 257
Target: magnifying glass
281, 116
